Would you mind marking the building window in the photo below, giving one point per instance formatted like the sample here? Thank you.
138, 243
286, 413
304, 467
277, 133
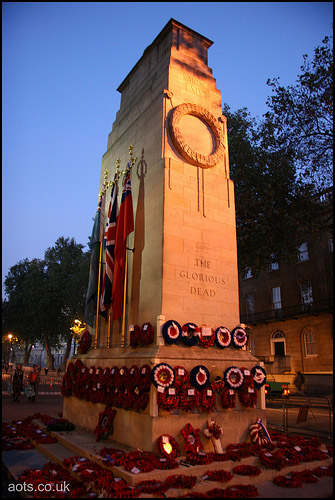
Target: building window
311, 348
306, 294
250, 305
303, 252
248, 273
274, 265
252, 345
278, 343
276, 297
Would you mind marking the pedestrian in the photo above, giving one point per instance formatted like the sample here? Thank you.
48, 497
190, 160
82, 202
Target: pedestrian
46, 371
17, 382
6, 368
34, 380
299, 381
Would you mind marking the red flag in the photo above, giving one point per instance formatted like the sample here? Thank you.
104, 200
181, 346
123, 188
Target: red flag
125, 226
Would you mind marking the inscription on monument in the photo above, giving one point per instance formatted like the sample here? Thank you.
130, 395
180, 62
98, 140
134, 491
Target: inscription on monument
203, 279
196, 86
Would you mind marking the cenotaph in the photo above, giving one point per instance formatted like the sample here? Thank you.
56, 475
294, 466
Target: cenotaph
184, 265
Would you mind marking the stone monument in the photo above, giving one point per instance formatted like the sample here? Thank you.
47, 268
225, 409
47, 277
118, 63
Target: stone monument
184, 264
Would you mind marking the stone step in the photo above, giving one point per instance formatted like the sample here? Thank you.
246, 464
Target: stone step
81, 443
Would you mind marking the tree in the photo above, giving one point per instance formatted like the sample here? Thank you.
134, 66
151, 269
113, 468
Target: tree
302, 116
67, 270
21, 311
45, 296
273, 208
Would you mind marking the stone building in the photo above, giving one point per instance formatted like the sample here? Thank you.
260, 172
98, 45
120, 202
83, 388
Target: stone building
289, 309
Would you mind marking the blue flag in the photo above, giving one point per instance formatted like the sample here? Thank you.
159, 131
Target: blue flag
94, 244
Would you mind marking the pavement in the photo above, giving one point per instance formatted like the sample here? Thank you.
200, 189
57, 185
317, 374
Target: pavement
15, 461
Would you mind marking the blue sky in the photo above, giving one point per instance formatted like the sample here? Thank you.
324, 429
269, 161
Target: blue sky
62, 63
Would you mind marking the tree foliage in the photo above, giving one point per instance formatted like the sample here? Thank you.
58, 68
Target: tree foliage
45, 296
302, 115
274, 210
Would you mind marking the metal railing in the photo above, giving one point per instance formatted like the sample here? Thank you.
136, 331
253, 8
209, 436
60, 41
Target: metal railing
289, 312
310, 414
49, 384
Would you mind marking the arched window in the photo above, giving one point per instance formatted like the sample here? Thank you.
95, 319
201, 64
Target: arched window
278, 343
310, 343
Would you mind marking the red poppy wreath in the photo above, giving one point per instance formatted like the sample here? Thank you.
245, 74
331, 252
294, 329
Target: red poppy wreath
105, 423
85, 342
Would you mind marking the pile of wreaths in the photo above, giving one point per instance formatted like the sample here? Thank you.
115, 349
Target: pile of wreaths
191, 334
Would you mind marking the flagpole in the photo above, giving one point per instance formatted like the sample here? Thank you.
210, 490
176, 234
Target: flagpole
98, 300
109, 331
124, 299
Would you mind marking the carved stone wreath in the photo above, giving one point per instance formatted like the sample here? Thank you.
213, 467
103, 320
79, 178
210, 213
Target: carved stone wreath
193, 157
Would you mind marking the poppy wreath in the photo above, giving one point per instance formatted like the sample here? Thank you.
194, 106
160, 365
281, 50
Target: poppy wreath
135, 334
122, 377
167, 399
288, 481
77, 366
207, 399
233, 377
152, 486
141, 400
145, 378
227, 398
323, 471
307, 476
114, 377
166, 464
221, 476
70, 368
188, 398
84, 377
246, 392
222, 337
206, 340
162, 375
85, 342
259, 376
171, 449
200, 458
236, 491
171, 331
125, 400
66, 387
141, 461
190, 334
247, 470
181, 481
133, 377
239, 337
147, 334
181, 377
106, 376
199, 377
191, 436
105, 423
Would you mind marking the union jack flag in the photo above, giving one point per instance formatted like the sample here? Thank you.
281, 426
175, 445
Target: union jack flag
109, 241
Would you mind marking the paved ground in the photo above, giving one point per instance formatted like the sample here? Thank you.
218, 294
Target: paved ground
53, 405
46, 405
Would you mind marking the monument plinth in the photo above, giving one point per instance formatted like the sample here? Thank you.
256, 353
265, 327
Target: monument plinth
184, 266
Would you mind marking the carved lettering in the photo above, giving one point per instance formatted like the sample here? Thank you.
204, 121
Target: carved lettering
203, 292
